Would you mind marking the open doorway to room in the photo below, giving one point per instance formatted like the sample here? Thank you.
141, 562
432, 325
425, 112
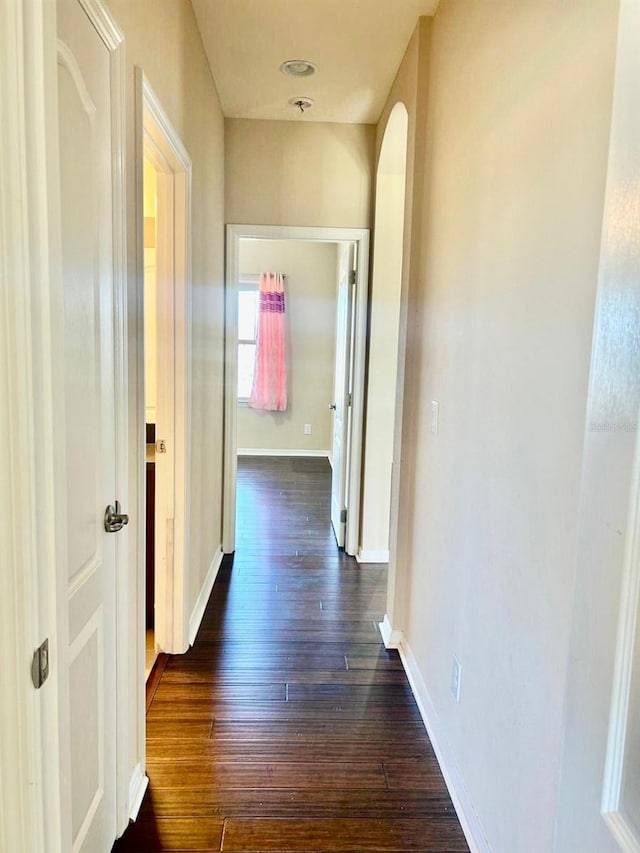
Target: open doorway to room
165, 191
150, 197
325, 337
385, 342
308, 271
318, 284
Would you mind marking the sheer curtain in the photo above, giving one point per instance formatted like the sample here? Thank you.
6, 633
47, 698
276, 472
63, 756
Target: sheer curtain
269, 391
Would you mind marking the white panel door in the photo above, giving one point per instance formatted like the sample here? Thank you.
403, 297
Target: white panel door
90, 405
342, 393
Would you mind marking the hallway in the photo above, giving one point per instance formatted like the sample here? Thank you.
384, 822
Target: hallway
288, 726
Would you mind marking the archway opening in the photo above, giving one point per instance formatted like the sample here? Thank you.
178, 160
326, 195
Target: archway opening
384, 338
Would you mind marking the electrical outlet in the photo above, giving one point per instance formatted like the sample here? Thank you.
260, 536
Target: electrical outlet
307, 429
456, 678
435, 415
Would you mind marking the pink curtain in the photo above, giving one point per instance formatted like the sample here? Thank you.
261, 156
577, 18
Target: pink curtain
269, 389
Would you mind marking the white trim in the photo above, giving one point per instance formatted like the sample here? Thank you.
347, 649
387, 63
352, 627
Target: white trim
354, 474
22, 728
396, 134
390, 637
51, 461
371, 555
359, 236
125, 641
623, 832
622, 173
256, 451
155, 130
623, 671
138, 785
106, 26
200, 605
230, 420
398, 565
467, 815
137, 650
157, 112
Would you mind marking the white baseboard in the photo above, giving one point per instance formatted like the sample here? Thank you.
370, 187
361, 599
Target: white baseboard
203, 598
258, 451
137, 786
467, 815
390, 638
366, 555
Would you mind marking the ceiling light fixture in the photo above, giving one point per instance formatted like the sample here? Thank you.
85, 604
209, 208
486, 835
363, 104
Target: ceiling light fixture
298, 68
301, 103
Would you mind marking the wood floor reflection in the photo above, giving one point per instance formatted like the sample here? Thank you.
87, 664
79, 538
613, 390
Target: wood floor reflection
288, 727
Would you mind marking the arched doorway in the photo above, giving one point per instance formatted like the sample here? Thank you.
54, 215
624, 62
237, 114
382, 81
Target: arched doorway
384, 339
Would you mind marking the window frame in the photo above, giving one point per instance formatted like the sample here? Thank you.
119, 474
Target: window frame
247, 283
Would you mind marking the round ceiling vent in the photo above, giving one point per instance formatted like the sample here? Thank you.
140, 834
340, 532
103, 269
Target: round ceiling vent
298, 68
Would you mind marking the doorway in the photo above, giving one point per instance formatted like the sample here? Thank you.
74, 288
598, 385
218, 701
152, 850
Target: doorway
164, 247
239, 279
150, 212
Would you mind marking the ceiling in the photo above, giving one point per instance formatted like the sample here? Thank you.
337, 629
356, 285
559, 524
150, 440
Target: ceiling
357, 46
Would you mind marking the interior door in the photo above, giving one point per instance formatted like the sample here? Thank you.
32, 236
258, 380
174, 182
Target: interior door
91, 398
342, 392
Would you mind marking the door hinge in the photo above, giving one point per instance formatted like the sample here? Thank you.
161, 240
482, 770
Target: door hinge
343, 516
40, 665
352, 277
349, 399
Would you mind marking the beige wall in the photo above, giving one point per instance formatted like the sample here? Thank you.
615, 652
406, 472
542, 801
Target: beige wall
298, 173
510, 110
310, 289
163, 39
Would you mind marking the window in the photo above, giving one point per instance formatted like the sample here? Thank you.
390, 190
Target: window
247, 331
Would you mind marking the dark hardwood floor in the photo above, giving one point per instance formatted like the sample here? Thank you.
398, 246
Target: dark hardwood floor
288, 726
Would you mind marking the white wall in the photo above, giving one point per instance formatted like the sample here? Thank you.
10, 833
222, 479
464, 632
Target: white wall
310, 292
514, 126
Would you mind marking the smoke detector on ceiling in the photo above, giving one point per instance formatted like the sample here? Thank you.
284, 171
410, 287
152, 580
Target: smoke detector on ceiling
298, 68
301, 103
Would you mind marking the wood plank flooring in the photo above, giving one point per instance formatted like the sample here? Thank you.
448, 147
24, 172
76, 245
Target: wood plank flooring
288, 727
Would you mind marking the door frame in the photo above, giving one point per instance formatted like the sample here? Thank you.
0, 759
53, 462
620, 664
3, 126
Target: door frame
29, 278
345, 264
155, 132
359, 236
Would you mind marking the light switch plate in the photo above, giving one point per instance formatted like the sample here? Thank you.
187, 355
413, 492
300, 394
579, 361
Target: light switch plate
456, 678
435, 416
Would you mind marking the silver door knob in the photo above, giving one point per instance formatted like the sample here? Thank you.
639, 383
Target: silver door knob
332, 406
114, 520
